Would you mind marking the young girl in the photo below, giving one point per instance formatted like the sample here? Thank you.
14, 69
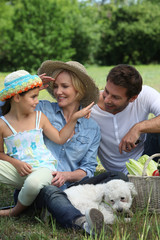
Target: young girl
28, 164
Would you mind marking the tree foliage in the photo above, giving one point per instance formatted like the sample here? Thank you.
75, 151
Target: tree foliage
130, 35
41, 31
89, 31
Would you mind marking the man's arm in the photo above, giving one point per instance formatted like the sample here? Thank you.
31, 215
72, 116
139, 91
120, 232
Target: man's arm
128, 142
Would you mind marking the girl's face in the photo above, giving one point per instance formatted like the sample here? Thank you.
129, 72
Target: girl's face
64, 91
29, 100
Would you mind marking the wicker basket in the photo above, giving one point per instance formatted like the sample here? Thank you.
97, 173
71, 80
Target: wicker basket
148, 189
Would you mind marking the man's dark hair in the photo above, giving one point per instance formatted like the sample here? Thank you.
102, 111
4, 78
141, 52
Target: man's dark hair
128, 77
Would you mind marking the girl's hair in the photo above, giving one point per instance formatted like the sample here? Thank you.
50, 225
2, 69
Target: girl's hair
7, 106
77, 84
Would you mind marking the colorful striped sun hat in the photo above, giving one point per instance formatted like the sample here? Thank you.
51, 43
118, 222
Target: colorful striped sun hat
18, 82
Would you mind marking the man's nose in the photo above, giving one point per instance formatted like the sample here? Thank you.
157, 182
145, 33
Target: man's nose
107, 99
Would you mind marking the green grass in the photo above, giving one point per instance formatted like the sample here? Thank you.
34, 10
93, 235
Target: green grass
143, 226
149, 73
28, 226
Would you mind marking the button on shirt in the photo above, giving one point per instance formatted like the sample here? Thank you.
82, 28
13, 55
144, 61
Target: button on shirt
79, 152
114, 128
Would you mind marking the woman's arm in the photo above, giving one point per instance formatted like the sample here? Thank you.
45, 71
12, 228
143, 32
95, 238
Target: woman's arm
59, 178
45, 79
60, 137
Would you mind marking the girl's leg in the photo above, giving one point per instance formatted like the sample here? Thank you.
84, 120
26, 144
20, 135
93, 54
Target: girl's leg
13, 212
33, 184
10, 176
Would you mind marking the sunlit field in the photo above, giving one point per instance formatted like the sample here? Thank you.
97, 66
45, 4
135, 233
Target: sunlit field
149, 73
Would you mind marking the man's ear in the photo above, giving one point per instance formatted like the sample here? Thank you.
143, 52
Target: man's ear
16, 98
133, 98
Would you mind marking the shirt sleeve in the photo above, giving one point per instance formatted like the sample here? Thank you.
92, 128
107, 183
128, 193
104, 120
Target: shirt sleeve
89, 162
151, 100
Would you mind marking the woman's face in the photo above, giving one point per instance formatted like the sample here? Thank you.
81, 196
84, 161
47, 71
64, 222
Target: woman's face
64, 91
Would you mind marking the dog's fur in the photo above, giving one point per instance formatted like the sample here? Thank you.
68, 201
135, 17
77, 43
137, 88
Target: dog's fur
110, 198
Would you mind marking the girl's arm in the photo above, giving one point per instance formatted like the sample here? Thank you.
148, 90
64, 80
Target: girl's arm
21, 167
60, 137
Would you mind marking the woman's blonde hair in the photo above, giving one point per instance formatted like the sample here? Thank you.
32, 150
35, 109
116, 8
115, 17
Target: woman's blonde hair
77, 84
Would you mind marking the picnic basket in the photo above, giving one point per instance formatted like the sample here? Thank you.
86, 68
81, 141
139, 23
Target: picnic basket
148, 189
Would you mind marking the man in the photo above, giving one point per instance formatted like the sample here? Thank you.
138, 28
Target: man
122, 114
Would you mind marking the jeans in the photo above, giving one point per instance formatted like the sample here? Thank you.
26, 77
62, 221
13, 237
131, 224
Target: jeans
152, 145
102, 178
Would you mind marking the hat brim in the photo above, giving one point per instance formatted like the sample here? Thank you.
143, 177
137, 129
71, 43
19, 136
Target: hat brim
20, 85
91, 90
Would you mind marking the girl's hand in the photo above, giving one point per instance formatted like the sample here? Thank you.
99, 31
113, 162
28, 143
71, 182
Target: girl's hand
85, 112
45, 79
23, 168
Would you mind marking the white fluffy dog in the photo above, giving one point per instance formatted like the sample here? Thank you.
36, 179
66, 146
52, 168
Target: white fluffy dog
110, 198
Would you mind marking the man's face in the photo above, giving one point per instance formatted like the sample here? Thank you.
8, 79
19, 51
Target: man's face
115, 98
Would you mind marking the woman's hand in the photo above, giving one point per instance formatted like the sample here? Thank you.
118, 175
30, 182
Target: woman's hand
45, 79
23, 168
59, 178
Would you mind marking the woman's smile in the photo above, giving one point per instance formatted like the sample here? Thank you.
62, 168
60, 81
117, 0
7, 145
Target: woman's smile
64, 91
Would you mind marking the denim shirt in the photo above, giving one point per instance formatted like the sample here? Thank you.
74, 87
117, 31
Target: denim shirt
79, 152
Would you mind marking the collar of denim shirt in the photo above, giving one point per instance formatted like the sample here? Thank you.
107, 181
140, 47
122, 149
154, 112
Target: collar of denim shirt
59, 109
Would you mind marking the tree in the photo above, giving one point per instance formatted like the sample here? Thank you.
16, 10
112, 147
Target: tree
131, 35
6, 12
86, 36
51, 29
41, 30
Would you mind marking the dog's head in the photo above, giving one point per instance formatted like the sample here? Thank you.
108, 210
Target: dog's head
118, 195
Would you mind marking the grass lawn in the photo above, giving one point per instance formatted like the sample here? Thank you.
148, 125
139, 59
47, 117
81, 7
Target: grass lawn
28, 226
